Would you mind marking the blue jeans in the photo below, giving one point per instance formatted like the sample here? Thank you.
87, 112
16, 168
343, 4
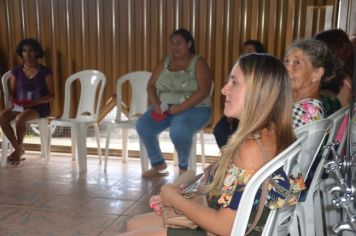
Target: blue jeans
181, 126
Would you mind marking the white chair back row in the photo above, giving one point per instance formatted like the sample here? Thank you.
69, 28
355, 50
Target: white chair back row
92, 84
138, 81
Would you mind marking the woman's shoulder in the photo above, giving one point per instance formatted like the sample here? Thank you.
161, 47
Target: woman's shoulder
250, 156
16, 69
44, 70
309, 104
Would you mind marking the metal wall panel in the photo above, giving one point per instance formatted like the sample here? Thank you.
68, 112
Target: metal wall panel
119, 36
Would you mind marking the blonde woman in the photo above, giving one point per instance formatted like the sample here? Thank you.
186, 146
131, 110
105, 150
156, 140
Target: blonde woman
259, 94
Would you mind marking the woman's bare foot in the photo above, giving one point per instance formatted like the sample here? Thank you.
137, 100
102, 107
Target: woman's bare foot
10, 157
16, 156
156, 171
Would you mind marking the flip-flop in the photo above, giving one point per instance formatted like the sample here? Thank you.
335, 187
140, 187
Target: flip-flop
155, 173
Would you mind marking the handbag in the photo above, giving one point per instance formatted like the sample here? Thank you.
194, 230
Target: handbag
172, 217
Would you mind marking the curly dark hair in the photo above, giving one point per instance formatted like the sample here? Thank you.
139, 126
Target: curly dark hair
187, 37
257, 44
340, 45
31, 42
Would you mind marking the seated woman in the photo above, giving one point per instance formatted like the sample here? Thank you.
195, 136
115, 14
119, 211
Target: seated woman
265, 130
30, 91
338, 89
181, 82
308, 62
226, 126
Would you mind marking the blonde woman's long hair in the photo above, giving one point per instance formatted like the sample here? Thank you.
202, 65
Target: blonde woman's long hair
267, 101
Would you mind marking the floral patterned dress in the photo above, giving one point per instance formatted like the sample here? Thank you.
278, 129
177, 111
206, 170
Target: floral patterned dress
307, 110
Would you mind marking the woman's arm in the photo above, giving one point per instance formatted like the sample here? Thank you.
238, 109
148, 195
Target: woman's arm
12, 88
219, 221
45, 99
153, 98
203, 76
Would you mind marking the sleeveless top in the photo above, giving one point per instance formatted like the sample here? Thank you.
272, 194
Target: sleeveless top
282, 190
307, 110
32, 89
175, 87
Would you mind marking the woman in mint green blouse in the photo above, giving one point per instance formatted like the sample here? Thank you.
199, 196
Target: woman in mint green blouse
179, 95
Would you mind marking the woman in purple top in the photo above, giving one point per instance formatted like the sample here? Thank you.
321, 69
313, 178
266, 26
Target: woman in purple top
30, 92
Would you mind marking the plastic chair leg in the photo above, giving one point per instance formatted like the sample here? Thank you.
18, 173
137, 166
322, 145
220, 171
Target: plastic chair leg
143, 157
108, 135
97, 134
74, 142
201, 135
192, 156
81, 134
4, 147
44, 136
125, 137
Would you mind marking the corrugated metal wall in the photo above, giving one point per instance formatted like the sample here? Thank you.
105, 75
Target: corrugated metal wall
119, 36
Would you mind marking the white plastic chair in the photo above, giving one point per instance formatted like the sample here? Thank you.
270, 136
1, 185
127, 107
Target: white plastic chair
309, 212
287, 220
243, 212
42, 124
92, 84
322, 198
192, 162
138, 81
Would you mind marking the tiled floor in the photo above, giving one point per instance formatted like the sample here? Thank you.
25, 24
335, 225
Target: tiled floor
57, 200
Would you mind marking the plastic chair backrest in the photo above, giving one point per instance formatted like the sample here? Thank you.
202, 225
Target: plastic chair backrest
91, 81
138, 81
5, 87
248, 196
317, 131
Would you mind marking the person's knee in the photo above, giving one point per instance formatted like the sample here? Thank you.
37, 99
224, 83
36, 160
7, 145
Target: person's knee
180, 133
4, 118
140, 127
130, 224
20, 122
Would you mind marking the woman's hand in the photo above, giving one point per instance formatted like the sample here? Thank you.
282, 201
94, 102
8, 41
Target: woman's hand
174, 109
157, 108
156, 204
169, 193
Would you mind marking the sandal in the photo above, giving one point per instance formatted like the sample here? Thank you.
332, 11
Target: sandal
155, 173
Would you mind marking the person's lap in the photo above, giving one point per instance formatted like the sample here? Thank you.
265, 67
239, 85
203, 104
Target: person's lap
145, 224
143, 220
